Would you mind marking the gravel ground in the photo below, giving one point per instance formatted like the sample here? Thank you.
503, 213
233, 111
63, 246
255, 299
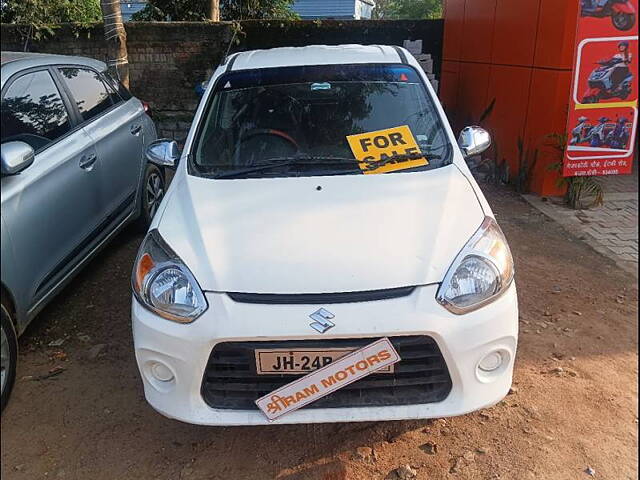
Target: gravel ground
573, 406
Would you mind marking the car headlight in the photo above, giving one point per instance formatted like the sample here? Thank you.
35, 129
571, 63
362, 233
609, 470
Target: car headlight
163, 284
481, 272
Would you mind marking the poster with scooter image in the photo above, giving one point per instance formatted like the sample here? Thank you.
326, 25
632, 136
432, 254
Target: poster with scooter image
600, 141
621, 13
603, 108
606, 71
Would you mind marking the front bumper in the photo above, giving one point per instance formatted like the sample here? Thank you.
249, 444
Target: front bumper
463, 340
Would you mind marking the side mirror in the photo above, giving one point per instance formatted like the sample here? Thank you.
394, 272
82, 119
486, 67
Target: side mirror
163, 153
473, 140
15, 157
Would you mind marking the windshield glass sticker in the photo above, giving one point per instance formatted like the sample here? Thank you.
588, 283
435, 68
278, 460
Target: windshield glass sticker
321, 86
322, 382
372, 147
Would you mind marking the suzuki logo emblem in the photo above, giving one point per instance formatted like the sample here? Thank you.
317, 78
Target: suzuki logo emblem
322, 320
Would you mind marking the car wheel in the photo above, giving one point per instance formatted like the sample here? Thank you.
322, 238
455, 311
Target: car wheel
623, 21
591, 99
9, 356
153, 189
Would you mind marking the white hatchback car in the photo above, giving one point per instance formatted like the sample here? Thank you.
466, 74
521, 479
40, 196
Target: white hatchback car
321, 203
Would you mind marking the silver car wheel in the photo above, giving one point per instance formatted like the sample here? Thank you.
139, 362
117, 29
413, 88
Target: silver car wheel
5, 360
154, 193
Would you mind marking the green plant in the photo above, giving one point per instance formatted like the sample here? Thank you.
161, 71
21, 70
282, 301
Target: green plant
498, 168
495, 168
526, 163
196, 10
41, 17
407, 9
580, 188
486, 113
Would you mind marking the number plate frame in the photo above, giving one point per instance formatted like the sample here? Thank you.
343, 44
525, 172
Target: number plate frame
265, 358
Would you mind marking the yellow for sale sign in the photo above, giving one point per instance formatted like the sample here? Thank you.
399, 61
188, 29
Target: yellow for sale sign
372, 147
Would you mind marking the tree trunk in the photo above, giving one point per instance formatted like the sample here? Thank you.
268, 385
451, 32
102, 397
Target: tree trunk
116, 39
214, 10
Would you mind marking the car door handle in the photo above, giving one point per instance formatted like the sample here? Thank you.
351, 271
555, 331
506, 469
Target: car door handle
135, 129
87, 161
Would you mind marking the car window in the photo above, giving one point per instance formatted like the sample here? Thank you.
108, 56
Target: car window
319, 120
33, 111
113, 93
123, 92
88, 90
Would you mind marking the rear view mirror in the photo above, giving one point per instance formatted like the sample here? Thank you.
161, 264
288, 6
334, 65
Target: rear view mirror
473, 140
163, 153
16, 156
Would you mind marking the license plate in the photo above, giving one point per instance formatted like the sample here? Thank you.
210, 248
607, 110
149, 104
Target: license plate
280, 361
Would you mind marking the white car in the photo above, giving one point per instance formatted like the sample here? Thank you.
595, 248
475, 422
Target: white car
320, 203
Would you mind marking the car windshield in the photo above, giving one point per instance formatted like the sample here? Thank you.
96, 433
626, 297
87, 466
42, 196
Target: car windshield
319, 120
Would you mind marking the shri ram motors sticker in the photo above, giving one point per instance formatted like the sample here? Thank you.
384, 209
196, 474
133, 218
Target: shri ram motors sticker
319, 383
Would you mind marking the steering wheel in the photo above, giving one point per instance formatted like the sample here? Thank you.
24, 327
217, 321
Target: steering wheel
269, 131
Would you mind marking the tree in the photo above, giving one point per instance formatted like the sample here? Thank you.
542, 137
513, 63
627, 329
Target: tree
257, 9
198, 10
214, 10
173, 10
116, 38
407, 9
41, 16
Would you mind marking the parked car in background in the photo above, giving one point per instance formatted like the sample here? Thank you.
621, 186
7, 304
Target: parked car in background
321, 203
73, 174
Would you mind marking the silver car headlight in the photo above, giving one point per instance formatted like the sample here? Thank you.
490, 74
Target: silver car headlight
481, 272
163, 284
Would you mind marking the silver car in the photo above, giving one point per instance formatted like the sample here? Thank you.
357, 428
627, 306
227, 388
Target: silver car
73, 174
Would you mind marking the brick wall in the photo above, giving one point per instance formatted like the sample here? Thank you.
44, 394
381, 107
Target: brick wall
167, 60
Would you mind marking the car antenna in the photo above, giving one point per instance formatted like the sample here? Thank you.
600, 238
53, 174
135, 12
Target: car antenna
235, 27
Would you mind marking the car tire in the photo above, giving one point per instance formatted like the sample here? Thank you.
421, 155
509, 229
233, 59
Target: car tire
591, 99
9, 355
152, 193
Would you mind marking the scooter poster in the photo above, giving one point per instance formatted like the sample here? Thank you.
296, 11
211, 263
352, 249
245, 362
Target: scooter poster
603, 108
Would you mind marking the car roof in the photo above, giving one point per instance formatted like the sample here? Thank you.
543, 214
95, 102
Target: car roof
314, 55
14, 62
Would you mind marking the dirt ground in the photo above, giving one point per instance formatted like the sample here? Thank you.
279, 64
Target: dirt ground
574, 404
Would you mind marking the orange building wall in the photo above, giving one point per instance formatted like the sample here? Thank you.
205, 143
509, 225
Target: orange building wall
520, 53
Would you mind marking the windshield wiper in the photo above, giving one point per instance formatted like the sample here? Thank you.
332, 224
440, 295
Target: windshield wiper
294, 160
286, 162
400, 158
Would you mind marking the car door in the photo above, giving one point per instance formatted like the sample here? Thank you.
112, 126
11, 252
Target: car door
116, 127
51, 209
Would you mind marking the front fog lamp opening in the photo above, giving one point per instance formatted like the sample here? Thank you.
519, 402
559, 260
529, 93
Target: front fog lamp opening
492, 365
161, 372
159, 375
491, 362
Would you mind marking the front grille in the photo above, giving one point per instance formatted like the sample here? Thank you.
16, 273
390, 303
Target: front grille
321, 298
231, 382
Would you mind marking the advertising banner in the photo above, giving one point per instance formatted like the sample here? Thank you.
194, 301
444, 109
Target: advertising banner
603, 108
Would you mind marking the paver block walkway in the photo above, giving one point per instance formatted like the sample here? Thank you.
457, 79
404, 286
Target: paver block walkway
611, 229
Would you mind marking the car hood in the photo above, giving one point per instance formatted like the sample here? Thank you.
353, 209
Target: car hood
321, 234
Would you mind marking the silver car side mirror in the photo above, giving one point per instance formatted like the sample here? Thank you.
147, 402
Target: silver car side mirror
163, 153
473, 140
15, 157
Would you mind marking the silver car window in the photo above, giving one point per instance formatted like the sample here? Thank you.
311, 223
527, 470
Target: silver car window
33, 111
88, 90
